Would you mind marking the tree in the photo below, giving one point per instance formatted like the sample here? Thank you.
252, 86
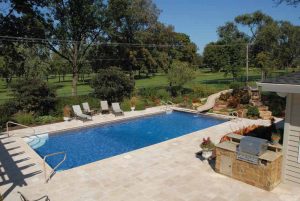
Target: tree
254, 21
112, 84
214, 57
229, 52
129, 21
34, 95
73, 27
288, 2
178, 75
264, 62
60, 67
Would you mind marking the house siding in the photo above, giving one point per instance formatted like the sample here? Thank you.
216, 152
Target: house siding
291, 171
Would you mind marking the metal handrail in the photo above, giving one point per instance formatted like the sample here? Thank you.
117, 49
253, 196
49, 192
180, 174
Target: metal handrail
165, 104
11, 122
53, 170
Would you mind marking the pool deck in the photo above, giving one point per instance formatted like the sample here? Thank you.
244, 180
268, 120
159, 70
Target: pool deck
166, 171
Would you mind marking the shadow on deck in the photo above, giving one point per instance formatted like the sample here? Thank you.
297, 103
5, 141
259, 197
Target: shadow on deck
15, 166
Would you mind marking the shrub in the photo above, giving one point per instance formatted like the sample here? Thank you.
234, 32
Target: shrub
140, 105
6, 111
179, 74
125, 105
47, 119
24, 118
203, 91
34, 95
236, 85
147, 92
253, 111
162, 94
112, 85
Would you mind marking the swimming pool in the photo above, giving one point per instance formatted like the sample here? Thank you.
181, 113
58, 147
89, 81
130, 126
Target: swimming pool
95, 143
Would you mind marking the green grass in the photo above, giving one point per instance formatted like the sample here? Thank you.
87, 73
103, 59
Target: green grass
203, 77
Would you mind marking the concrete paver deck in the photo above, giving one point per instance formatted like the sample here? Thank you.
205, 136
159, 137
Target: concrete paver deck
165, 171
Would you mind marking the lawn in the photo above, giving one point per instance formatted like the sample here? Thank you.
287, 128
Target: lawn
203, 77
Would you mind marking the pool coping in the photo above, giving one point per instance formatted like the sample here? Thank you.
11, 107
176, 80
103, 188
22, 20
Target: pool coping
40, 160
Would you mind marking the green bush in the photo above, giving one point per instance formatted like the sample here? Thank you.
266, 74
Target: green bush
34, 95
47, 119
253, 111
140, 105
179, 74
154, 93
147, 92
24, 118
125, 105
6, 111
162, 94
236, 85
178, 99
203, 91
112, 85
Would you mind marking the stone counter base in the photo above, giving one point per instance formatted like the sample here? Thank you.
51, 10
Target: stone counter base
266, 175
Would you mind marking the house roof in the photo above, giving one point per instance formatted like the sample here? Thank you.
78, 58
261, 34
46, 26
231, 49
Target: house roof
292, 78
283, 84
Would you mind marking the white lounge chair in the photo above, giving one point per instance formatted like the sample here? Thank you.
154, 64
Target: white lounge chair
86, 109
78, 113
116, 109
104, 107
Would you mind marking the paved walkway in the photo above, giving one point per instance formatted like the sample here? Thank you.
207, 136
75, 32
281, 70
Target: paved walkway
165, 171
211, 100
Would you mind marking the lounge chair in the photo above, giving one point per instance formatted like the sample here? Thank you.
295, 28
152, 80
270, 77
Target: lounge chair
78, 113
86, 109
104, 107
116, 109
23, 198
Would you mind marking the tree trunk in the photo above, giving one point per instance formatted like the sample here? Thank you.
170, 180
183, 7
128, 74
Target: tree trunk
74, 81
75, 70
262, 75
59, 77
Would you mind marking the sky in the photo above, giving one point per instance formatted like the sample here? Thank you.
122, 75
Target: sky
200, 18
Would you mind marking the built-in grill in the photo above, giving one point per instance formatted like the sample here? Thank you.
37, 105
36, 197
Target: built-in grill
250, 148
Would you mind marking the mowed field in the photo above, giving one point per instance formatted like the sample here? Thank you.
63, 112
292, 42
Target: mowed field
203, 77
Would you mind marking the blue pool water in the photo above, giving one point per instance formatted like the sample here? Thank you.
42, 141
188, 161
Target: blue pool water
95, 143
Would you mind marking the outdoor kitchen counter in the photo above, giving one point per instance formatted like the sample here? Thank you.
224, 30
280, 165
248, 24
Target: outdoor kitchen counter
270, 156
267, 156
227, 145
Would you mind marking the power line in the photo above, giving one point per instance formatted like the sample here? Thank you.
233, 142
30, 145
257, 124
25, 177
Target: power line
41, 40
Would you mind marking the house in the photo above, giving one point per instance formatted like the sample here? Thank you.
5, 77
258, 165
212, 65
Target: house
288, 86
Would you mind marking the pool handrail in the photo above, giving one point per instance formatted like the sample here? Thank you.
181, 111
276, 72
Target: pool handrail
11, 122
167, 106
54, 169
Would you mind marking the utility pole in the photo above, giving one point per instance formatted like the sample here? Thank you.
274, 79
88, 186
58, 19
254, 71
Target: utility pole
247, 63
